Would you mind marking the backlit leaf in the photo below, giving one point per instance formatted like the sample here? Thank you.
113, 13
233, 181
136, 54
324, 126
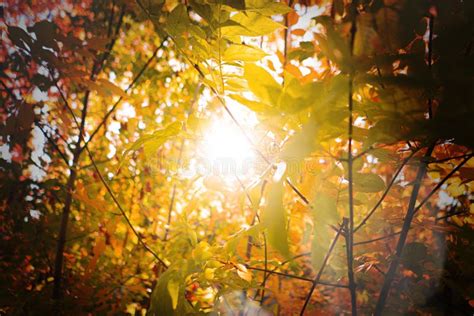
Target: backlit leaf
275, 219
250, 24
165, 297
173, 290
368, 182
245, 53
155, 139
262, 84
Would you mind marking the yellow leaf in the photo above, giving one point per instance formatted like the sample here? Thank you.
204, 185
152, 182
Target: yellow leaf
112, 87
250, 24
244, 273
209, 274
244, 53
154, 140
262, 84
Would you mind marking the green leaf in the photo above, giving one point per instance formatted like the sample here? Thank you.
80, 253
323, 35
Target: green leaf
275, 219
365, 36
178, 21
319, 245
325, 209
162, 301
324, 214
154, 140
235, 84
333, 45
173, 290
262, 84
204, 10
368, 182
244, 53
295, 96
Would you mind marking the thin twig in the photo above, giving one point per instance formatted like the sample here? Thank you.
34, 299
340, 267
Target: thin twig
451, 215
117, 203
320, 272
376, 239
292, 276
390, 275
130, 86
449, 158
267, 275
100, 65
265, 262
440, 184
53, 143
387, 189
250, 239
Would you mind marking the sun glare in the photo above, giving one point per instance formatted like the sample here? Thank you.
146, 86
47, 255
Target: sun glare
226, 152
226, 142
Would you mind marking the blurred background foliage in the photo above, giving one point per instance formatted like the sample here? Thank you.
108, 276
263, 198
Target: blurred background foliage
110, 199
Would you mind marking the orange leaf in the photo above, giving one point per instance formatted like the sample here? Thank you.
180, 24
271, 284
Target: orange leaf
299, 32
293, 18
295, 71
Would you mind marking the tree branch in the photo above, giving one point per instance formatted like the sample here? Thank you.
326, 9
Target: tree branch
440, 184
320, 272
117, 203
387, 189
53, 143
390, 275
292, 276
349, 224
130, 86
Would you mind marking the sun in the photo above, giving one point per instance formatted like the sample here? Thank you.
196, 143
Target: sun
224, 141
226, 151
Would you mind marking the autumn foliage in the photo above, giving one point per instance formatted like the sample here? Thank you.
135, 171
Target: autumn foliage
231, 157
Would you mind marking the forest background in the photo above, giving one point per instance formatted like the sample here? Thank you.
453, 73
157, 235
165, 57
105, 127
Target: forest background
236, 157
